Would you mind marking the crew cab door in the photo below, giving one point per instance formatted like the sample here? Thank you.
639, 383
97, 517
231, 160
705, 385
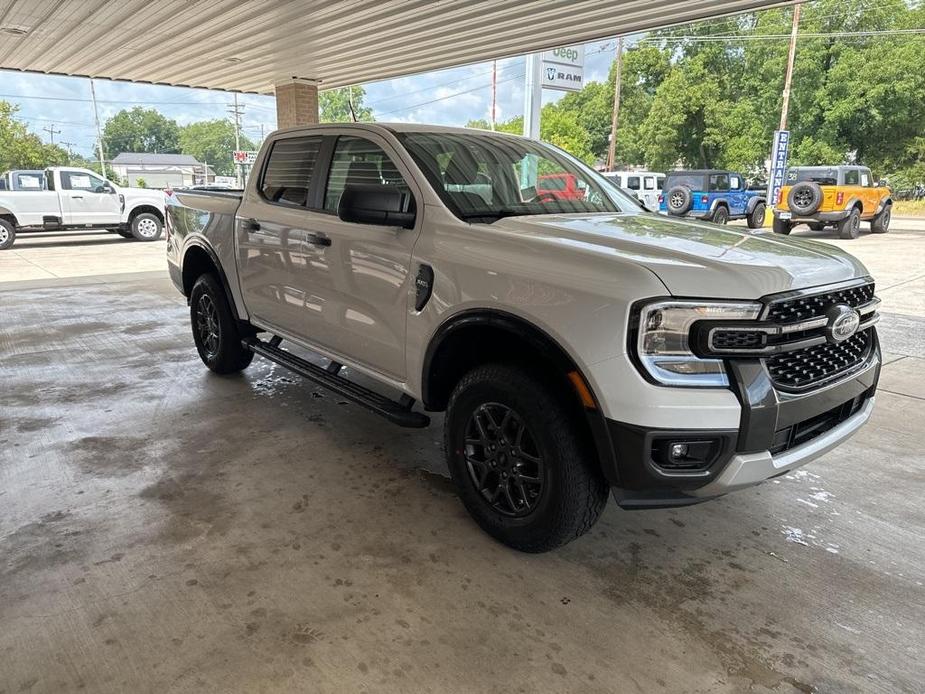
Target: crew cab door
87, 199
340, 287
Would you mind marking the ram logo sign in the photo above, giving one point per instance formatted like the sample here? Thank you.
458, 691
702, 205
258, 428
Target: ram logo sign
563, 68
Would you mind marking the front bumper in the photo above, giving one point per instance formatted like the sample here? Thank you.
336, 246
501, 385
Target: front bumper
777, 432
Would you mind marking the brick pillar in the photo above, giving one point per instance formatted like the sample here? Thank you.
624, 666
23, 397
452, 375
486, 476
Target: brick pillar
296, 103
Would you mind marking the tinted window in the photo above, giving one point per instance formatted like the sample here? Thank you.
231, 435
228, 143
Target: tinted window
852, 177
824, 177
632, 182
692, 181
288, 173
660, 182
719, 182
649, 183
78, 180
359, 162
552, 183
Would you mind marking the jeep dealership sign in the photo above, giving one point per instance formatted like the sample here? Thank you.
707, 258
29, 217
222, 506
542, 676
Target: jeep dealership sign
563, 68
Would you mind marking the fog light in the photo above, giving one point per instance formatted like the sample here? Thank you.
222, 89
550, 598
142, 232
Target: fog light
685, 456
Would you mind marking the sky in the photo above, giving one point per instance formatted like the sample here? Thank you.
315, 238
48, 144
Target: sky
446, 97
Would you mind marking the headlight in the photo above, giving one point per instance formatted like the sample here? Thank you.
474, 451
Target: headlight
663, 346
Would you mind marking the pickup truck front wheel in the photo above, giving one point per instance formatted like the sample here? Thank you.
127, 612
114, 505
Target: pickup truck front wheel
7, 235
215, 331
523, 470
147, 227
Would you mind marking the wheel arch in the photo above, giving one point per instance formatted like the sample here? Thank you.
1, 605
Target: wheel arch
754, 202
464, 340
9, 216
141, 209
198, 258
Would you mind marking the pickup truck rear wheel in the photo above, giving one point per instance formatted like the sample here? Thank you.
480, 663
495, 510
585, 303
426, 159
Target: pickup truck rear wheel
215, 331
147, 227
7, 234
523, 470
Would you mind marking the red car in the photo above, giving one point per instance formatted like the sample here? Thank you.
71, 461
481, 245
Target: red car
561, 186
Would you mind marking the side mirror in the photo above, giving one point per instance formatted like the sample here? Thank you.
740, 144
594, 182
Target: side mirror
375, 203
105, 188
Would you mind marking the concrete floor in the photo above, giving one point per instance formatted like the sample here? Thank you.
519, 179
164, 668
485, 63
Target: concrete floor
163, 529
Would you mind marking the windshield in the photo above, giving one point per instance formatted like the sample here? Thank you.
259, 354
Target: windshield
486, 177
824, 177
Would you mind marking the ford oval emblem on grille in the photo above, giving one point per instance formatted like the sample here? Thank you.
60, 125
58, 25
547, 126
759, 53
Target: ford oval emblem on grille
843, 323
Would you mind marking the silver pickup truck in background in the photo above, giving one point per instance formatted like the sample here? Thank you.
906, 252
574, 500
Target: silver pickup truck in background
578, 345
73, 198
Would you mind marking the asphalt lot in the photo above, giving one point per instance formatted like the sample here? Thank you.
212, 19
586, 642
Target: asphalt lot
165, 529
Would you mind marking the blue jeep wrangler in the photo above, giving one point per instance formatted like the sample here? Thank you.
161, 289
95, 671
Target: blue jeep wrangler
712, 195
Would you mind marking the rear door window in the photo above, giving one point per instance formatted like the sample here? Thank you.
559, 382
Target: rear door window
287, 175
649, 182
633, 183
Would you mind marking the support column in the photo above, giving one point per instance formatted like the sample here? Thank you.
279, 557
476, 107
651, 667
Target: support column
296, 103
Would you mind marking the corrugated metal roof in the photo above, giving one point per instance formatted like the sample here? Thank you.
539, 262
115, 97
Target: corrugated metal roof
251, 45
152, 159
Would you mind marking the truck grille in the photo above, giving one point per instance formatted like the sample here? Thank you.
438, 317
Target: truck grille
806, 307
806, 367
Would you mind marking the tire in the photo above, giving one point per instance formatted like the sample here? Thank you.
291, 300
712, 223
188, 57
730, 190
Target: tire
850, 226
756, 218
881, 223
679, 200
804, 198
215, 330
125, 233
720, 215
780, 226
147, 227
569, 493
7, 235
816, 226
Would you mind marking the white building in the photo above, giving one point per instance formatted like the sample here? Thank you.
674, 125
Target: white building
161, 170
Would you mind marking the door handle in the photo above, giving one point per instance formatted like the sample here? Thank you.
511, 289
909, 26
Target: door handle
250, 225
317, 240
77, 197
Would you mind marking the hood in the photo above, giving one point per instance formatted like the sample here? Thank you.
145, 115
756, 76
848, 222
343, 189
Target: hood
698, 259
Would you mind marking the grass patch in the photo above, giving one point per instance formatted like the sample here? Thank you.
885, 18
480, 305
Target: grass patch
909, 208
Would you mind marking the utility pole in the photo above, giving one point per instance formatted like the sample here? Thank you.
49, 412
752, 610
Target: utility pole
615, 116
68, 146
494, 92
788, 80
236, 112
533, 96
99, 134
52, 131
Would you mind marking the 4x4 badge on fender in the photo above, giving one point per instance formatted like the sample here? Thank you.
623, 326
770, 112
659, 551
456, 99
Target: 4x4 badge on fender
843, 323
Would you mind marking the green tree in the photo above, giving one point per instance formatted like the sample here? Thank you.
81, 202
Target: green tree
212, 142
334, 105
140, 130
21, 149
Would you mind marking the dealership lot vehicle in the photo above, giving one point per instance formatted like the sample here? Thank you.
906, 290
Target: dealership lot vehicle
712, 195
645, 186
350, 244
69, 198
837, 196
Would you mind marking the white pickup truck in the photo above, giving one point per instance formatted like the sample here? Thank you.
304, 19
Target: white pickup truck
577, 345
71, 198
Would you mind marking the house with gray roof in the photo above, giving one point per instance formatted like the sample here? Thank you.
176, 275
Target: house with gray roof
161, 170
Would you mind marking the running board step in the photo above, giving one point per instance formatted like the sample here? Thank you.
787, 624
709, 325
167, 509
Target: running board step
399, 413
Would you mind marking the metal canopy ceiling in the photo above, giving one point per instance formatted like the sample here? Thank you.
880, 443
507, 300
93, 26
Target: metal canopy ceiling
251, 45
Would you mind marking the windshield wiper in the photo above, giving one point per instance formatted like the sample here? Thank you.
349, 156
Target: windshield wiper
501, 213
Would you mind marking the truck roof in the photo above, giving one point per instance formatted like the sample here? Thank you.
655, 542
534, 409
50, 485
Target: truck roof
399, 128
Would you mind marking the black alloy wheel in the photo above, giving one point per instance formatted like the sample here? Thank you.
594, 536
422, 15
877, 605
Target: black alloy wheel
504, 460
